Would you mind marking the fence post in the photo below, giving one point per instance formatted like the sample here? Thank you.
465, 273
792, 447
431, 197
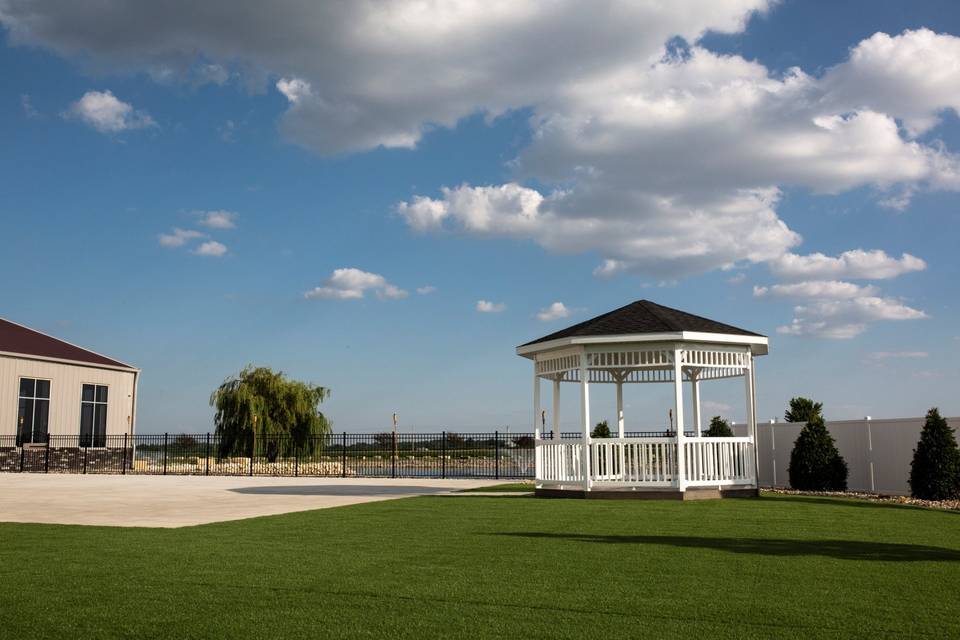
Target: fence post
23, 445
393, 455
496, 449
296, 457
123, 459
206, 470
165, 453
46, 457
343, 463
253, 451
443, 455
85, 456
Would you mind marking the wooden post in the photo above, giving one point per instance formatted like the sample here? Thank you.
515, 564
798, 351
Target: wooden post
585, 421
680, 481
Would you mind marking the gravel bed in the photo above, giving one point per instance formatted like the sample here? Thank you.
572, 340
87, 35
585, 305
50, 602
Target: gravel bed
948, 505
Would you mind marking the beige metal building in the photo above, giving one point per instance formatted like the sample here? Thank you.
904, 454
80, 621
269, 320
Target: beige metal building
51, 387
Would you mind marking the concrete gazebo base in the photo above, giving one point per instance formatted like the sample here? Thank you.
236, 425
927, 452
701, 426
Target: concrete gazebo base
613, 493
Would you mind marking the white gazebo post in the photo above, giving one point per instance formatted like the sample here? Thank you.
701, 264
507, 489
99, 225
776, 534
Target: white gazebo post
556, 408
752, 417
536, 403
620, 447
695, 398
585, 419
680, 479
537, 462
619, 378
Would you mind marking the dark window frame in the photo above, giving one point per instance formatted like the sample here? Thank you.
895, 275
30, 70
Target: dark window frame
93, 425
32, 399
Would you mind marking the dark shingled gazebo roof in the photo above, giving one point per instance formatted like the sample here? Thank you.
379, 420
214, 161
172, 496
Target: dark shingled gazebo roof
643, 316
15, 338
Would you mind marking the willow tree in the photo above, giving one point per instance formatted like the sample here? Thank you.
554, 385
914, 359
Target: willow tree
803, 410
264, 409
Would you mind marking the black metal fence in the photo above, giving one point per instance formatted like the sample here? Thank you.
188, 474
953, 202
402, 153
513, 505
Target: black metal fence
447, 454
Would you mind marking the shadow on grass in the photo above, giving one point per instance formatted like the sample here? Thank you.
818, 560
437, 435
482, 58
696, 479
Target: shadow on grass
840, 549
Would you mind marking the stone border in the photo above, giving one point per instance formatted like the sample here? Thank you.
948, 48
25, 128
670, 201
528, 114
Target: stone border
942, 505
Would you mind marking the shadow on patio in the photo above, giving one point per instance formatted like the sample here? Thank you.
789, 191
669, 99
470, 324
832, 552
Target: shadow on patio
840, 549
340, 490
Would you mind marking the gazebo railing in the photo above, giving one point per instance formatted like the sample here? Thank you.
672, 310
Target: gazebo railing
718, 461
647, 462
634, 461
559, 461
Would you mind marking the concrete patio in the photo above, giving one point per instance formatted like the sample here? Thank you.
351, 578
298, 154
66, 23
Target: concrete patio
181, 501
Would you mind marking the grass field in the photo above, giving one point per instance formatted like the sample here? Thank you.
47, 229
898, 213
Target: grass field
476, 566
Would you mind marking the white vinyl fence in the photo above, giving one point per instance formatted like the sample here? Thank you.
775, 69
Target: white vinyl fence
878, 452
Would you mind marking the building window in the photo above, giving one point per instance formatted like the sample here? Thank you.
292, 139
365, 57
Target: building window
34, 410
93, 416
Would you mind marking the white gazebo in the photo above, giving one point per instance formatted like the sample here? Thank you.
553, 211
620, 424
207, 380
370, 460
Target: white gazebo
644, 342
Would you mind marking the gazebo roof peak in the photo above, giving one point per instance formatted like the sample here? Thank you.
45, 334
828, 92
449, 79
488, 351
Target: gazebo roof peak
644, 317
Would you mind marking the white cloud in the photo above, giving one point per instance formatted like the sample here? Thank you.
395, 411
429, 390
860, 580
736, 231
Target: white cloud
107, 114
555, 311
217, 219
737, 279
662, 163
844, 319
352, 284
716, 408
856, 264
816, 289
485, 306
664, 239
26, 103
391, 292
383, 83
426, 290
913, 75
898, 355
211, 248
179, 237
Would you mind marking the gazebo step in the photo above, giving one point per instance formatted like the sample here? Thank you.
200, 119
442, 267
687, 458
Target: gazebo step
693, 493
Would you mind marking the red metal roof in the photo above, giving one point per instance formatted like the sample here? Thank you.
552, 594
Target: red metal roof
16, 338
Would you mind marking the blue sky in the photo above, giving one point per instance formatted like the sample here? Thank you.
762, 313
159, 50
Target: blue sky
590, 157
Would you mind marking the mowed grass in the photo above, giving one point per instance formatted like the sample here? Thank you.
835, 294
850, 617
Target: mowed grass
477, 567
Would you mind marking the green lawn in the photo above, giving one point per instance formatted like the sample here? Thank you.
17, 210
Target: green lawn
478, 566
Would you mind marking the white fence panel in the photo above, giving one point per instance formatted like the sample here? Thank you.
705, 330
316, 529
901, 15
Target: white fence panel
878, 452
